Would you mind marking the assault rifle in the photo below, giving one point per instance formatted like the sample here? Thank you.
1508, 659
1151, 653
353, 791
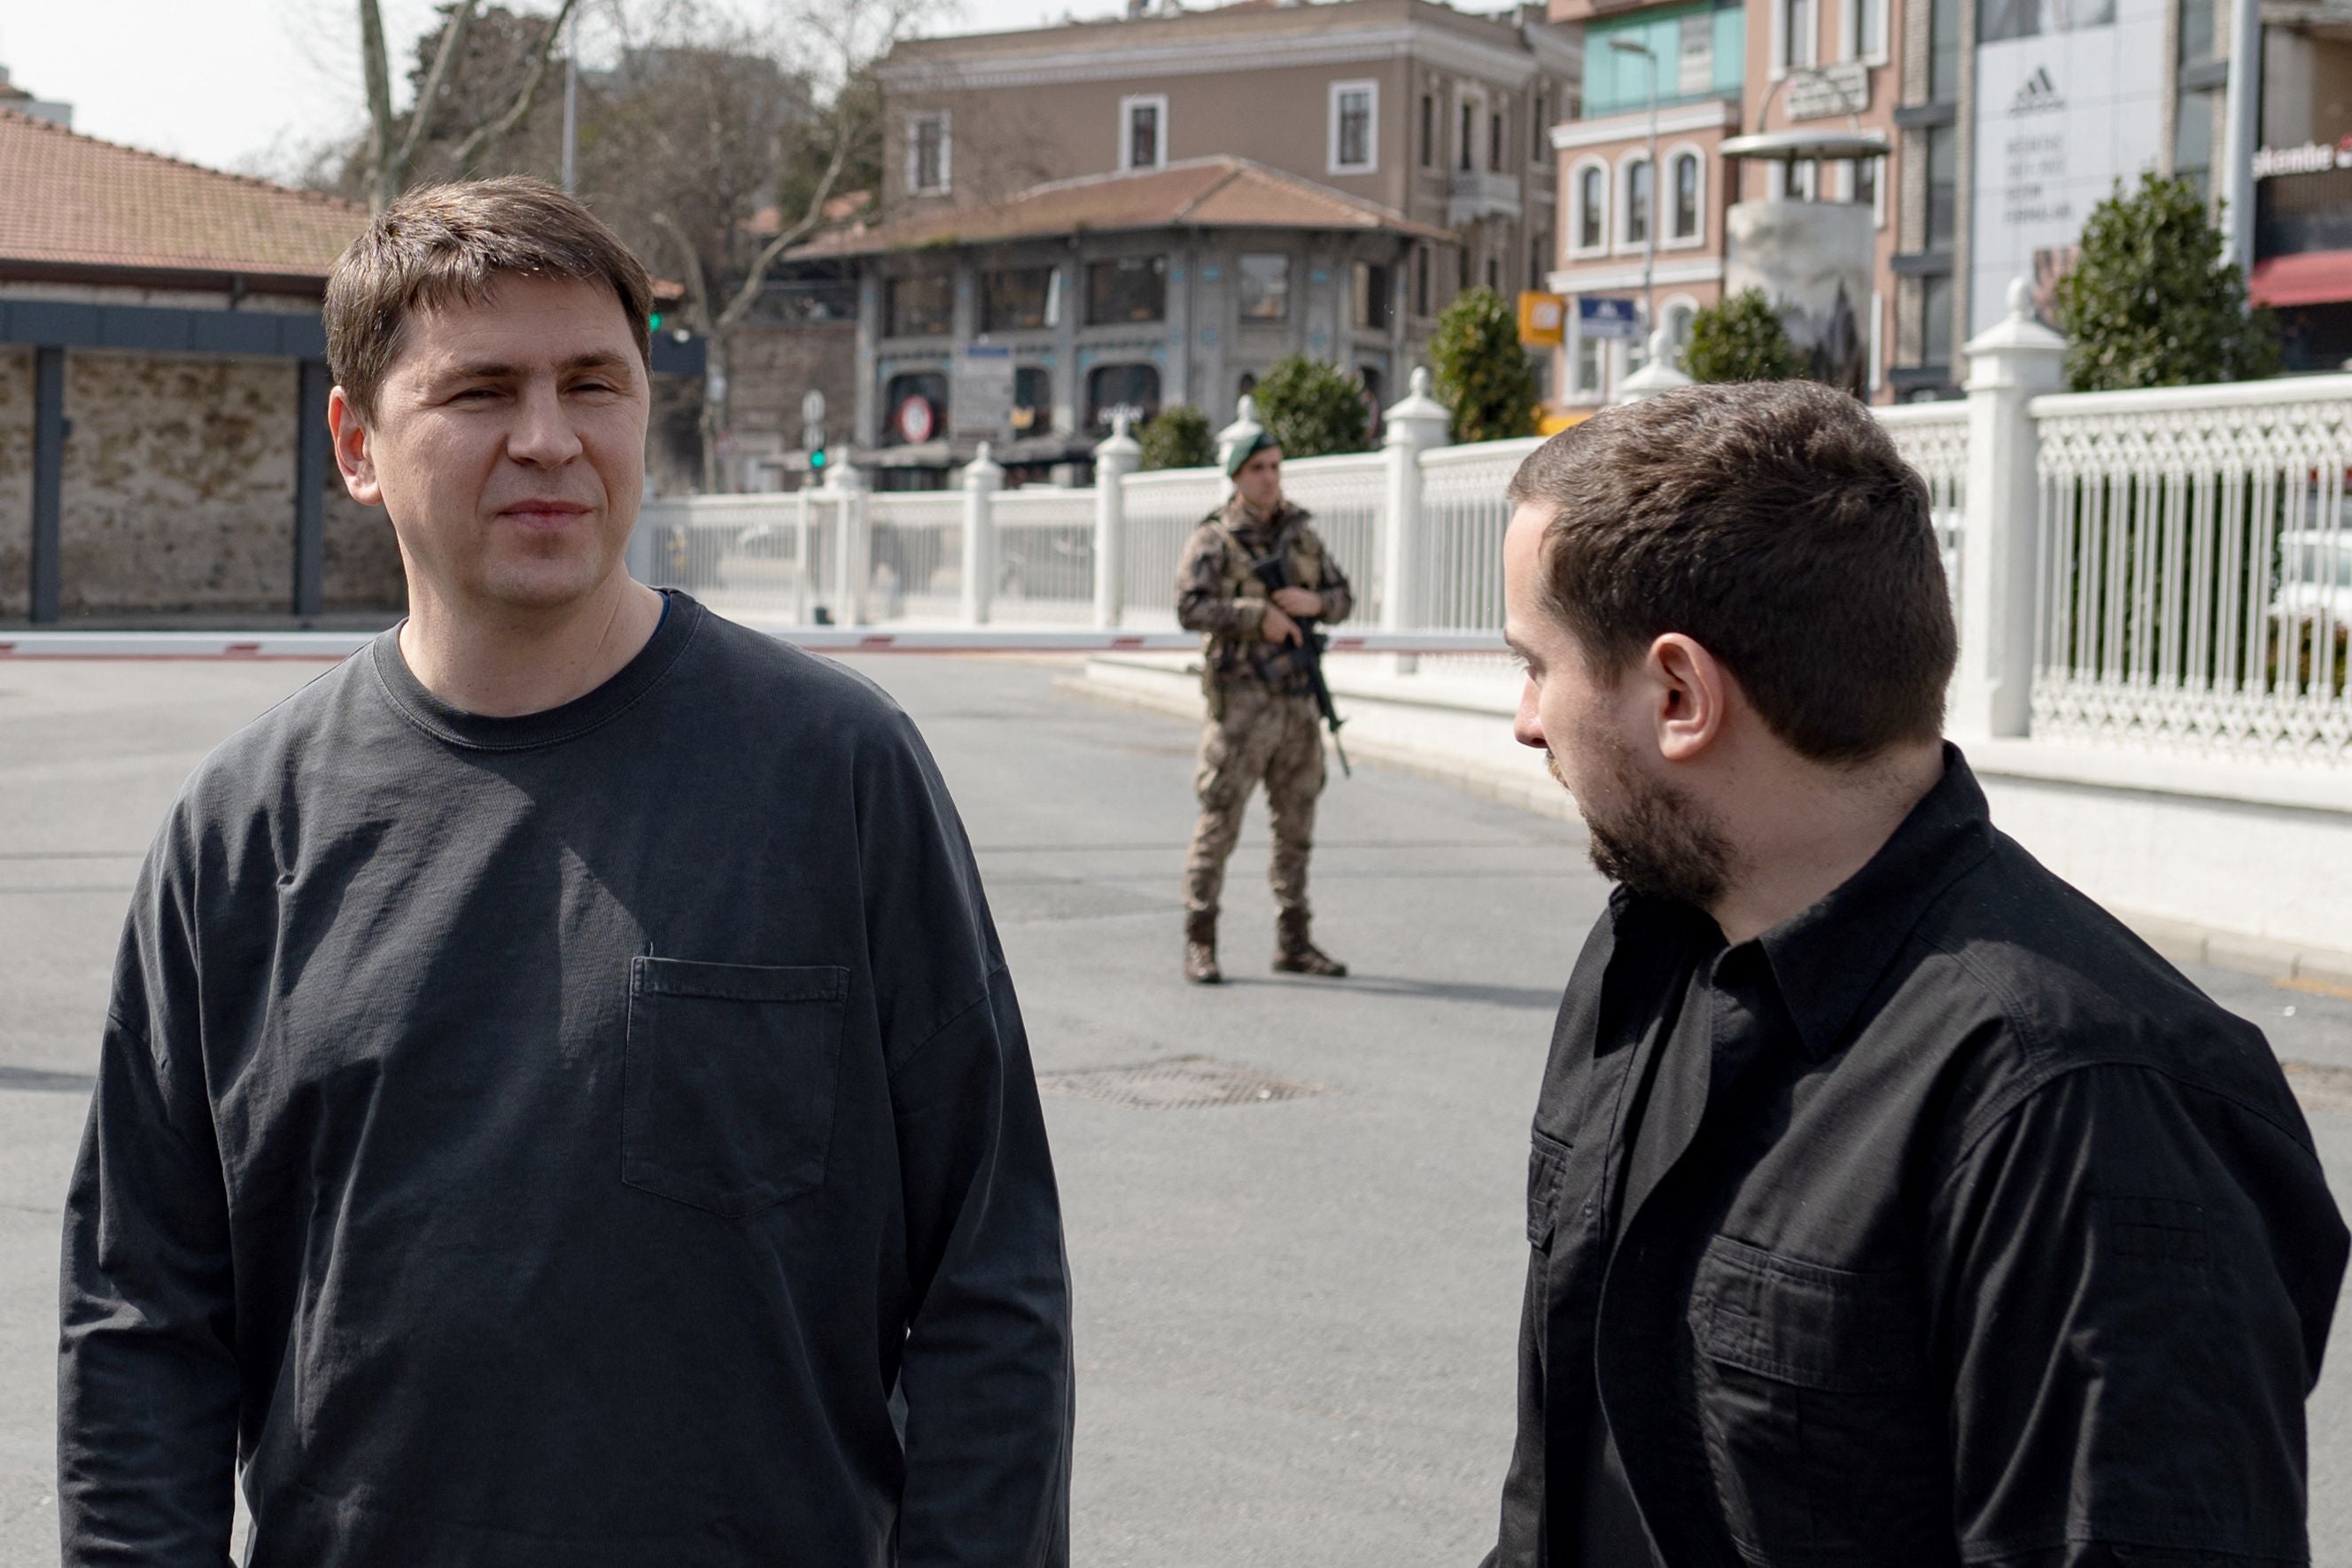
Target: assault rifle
1306, 657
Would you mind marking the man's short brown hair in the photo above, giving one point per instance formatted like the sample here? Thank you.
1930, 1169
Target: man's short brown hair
442, 244
1775, 525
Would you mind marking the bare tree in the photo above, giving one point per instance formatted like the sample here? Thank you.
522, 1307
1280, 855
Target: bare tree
393, 150
835, 45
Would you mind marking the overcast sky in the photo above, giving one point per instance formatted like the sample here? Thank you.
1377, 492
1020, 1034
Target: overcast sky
251, 84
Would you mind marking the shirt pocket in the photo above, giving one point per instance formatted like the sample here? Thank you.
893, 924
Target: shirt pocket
728, 1080
1547, 1165
1813, 1402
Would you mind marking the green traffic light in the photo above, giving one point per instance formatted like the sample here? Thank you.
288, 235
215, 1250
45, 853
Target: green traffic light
654, 322
816, 458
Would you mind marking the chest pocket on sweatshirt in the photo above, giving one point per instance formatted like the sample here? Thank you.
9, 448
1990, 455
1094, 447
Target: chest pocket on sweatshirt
1812, 1400
728, 1101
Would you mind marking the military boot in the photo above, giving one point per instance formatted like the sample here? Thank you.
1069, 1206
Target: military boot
1293, 954
1201, 949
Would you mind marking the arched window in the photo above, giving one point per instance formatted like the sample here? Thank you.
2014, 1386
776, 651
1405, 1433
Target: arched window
1677, 319
1591, 208
1686, 166
1639, 200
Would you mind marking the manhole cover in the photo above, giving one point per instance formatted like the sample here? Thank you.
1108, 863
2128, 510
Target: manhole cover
2320, 1088
1175, 1083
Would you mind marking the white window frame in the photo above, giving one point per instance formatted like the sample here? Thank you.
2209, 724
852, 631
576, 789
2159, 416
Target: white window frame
1850, 32
1472, 140
1370, 88
1572, 347
1621, 238
1662, 198
1668, 308
1576, 245
915, 151
1782, 56
1158, 103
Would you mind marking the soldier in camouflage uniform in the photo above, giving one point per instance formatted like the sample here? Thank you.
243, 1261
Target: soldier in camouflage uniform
1262, 724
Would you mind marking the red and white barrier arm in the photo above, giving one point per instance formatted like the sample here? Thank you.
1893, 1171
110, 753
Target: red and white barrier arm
328, 647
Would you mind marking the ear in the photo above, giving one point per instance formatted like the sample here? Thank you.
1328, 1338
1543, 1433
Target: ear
1693, 694
348, 433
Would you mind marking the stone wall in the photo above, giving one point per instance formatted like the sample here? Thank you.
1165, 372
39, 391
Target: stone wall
179, 490
16, 481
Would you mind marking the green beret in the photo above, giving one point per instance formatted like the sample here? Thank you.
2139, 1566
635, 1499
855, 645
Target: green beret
1248, 443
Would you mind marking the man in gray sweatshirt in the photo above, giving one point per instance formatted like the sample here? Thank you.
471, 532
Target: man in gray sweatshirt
561, 1101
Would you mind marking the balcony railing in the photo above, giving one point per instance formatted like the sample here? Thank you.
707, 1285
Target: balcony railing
1476, 193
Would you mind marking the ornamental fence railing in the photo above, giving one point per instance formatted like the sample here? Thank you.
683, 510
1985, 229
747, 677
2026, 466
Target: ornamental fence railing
2166, 570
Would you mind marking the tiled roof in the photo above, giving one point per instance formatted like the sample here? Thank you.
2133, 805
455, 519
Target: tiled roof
1202, 193
73, 200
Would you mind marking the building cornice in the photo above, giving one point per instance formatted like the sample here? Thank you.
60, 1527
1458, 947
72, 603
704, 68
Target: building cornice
1590, 281
1509, 65
1714, 114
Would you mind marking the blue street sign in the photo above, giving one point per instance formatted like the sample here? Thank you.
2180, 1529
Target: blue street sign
1606, 316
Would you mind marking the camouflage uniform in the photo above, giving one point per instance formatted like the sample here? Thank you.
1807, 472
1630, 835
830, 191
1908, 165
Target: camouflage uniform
1262, 725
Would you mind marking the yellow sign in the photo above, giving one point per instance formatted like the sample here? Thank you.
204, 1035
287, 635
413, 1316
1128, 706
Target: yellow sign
1548, 423
1543, 320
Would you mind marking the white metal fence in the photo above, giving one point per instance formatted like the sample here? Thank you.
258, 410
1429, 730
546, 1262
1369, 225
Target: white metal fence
2183, 583
2195, 573
1934, 440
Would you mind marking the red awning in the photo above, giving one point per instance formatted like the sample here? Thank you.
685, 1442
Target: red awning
2313, 277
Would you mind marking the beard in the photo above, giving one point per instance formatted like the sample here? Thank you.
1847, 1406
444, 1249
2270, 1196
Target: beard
1652, 838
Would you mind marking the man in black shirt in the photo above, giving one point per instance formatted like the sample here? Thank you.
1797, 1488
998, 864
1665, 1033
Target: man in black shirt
1889, 1203
562, 1104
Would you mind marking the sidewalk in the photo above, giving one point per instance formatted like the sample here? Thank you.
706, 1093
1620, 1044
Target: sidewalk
1454, 726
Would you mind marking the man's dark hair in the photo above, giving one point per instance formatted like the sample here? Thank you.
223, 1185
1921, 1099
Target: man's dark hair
442, 244
1775, 525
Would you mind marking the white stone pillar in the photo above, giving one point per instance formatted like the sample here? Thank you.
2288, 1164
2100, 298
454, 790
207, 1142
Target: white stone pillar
1115, 459
803, 541
1414, 425
1658, 374
981, 479
850, 568
2015, 361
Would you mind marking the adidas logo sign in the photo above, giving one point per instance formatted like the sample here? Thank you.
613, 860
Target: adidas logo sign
2038, 94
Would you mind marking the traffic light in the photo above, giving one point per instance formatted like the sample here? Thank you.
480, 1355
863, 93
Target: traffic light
816, 460
654, 322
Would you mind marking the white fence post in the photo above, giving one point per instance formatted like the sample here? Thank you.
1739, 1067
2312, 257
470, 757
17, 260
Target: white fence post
981, 479
802, 537
1415, 425
2009, 366
1115, 459
849, 567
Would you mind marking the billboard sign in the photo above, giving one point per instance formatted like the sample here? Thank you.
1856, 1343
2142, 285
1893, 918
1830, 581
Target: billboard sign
1543, 320
1606, 316
980, 400
2065, 108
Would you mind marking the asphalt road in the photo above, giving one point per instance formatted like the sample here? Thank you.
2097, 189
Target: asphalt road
1296, 1314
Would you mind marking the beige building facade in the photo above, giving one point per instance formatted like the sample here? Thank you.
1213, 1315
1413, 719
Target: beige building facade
1434, 115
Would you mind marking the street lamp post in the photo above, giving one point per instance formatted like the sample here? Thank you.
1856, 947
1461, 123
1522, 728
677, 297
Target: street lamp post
571, 107
1625, 46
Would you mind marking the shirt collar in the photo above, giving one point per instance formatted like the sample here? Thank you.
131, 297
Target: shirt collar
1828, 960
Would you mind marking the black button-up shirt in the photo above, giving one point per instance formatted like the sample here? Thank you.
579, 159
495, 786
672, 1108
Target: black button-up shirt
1958, 1227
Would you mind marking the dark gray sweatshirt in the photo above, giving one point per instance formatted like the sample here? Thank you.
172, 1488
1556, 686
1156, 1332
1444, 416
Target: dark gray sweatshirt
551, 1140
